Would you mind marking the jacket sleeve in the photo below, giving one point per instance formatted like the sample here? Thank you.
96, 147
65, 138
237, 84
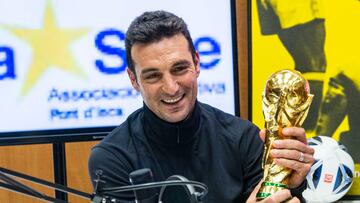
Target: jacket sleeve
251, 150
115, 172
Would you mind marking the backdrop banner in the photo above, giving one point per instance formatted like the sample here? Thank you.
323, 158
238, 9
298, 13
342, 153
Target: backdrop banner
321, 39
63, 63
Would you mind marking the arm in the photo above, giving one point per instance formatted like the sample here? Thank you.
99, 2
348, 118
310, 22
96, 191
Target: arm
251, 150
115, 169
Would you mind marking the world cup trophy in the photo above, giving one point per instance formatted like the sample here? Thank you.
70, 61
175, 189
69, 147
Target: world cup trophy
286, 102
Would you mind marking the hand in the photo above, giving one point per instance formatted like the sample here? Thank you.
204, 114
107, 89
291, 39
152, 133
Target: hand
293, 153
280, 196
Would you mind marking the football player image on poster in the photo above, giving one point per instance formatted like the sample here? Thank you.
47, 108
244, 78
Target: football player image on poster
320, 39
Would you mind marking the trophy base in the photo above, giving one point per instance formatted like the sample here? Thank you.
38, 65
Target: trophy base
269, 188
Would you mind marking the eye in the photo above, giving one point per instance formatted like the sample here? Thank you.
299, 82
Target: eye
151, 77
179, 70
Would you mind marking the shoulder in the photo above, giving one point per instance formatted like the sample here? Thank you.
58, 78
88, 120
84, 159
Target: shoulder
119, 140
237, 137
124, 131
237, 133
233, 124
116, 151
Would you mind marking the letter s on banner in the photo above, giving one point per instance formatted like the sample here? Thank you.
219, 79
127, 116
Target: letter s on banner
100, 43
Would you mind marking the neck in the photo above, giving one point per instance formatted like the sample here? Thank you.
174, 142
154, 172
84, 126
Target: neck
171, 134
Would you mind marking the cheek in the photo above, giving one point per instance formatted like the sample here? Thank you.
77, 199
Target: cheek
191, 83
150, 92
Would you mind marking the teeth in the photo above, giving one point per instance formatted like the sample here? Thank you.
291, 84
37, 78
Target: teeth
172, 100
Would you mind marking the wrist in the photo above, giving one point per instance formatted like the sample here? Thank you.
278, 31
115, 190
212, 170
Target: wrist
297, 192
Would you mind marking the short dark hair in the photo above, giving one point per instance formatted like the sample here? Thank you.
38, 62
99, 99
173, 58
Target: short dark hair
152, 27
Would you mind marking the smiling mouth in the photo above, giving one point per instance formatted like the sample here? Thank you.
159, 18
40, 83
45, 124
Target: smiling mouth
172, 101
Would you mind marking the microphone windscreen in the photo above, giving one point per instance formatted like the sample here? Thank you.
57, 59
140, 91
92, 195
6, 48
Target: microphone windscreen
148, 195
178, 193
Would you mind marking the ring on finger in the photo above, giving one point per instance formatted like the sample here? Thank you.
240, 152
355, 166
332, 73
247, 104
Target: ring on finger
301, 157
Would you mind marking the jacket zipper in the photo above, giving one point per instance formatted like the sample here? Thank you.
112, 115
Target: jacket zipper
178, 134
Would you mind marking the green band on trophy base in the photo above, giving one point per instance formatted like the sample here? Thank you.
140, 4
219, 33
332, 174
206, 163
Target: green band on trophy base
269, 188
274, 184
262, 195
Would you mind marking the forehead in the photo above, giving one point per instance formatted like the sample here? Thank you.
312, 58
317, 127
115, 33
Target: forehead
166, 50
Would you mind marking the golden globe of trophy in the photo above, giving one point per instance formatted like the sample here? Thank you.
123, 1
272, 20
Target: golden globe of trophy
286, 102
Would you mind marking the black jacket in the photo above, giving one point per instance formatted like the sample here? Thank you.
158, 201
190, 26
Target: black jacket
213, 147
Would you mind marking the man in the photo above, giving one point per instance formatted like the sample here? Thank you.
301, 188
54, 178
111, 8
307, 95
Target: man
173, 133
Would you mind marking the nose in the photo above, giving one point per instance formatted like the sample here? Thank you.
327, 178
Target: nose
170, 85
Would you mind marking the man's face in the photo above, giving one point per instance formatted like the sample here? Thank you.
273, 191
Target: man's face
166, 77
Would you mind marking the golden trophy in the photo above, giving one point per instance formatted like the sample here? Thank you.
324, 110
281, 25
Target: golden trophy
286, 102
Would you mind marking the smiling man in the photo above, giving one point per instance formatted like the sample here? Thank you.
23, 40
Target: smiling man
167, 77
174, 134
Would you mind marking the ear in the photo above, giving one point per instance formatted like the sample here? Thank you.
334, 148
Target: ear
197, 64
133, 80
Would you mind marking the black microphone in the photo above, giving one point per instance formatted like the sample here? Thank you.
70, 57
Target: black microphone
176, 189
184, 193
147, 195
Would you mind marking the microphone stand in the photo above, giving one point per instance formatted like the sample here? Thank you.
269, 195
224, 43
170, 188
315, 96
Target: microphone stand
100, 194
13, 185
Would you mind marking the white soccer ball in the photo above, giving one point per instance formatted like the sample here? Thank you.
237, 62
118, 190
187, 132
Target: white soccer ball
332, 173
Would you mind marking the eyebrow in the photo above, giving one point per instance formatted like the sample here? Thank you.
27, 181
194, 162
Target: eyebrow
181, 62
148, 70
177, 63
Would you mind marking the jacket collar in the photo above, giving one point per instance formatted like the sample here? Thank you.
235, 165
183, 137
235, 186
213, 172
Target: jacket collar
171, 134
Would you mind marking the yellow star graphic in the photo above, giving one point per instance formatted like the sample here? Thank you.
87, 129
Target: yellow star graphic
51, 48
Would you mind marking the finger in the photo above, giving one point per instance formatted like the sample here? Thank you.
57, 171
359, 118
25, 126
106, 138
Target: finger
280, 196
295, 132
262, 134
310, 150
292, 154
293, 200
252, 197
289, 144
299, 167
300, 170
293, 144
